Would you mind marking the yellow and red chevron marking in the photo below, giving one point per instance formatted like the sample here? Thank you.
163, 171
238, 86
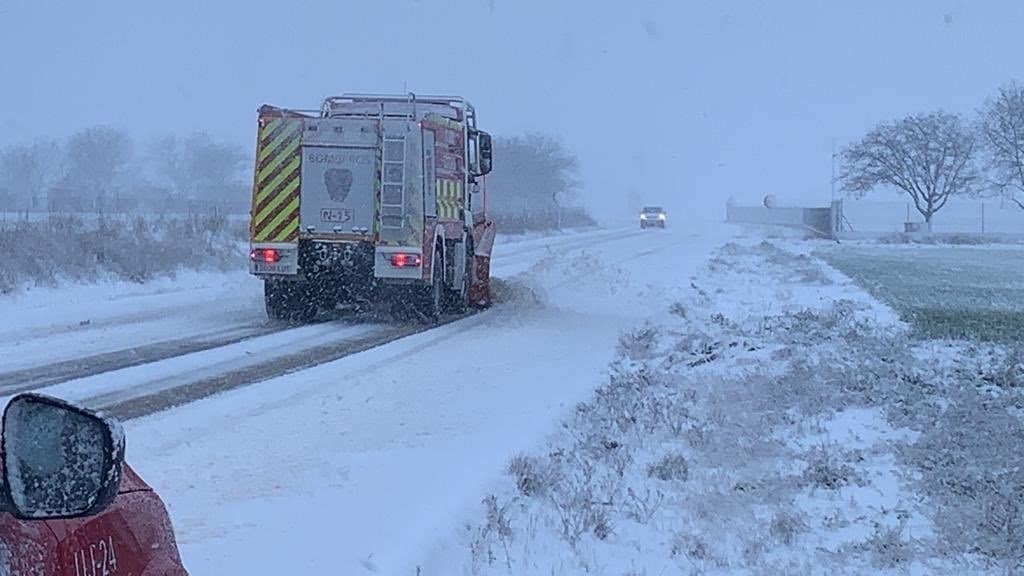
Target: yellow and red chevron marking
275, 212
449, 199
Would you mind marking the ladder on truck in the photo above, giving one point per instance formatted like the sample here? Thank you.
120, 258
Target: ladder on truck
392, 198
409, 107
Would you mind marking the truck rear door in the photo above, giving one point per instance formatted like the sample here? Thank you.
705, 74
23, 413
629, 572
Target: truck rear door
340, 160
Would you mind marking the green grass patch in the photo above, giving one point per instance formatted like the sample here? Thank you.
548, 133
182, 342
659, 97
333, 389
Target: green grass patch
960, 292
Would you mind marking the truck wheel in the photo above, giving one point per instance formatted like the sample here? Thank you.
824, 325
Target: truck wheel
275, 296
288, 301
433, 299
305, 305
458, 301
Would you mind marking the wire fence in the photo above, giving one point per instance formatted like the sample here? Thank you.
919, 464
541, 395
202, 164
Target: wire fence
957, 216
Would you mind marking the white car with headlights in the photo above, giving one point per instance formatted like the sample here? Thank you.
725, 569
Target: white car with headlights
652, 216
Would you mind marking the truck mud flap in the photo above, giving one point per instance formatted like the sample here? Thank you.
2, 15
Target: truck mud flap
483, 242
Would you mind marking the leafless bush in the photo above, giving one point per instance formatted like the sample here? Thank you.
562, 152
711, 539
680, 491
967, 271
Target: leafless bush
678, 309
643, 507
670, 411
697, 436
533, 477
812, 327
786, 525
703, 297
829, 467
888, 546
696, 348
598, 444
639, 344
1009, 373
807, 387
619, 404
670, 468
577, 508
692, 546
918, 398
498, 527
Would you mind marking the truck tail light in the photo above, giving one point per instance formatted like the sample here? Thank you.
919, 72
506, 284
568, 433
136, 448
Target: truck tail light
269, 255
406, 260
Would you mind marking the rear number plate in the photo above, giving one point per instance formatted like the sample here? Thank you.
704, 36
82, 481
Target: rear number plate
271, 268
339, 215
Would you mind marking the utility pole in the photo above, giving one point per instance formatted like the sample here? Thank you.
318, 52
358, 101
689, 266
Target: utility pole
833, 169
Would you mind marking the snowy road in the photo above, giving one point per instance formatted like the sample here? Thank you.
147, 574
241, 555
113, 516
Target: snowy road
356, 465
136, 350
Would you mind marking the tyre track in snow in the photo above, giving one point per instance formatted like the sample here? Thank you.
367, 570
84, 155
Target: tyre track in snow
125, 406
140, 397
38, 377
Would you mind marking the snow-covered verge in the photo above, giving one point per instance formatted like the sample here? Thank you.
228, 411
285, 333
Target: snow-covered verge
64, 249
776, 420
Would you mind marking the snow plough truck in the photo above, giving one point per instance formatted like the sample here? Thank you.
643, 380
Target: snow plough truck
372, 201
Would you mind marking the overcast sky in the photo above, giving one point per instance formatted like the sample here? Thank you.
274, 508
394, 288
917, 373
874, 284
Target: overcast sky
679, 102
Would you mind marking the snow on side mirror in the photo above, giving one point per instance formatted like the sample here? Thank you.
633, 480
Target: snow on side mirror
60, 461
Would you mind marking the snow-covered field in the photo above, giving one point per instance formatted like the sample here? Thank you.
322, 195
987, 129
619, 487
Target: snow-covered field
972, 292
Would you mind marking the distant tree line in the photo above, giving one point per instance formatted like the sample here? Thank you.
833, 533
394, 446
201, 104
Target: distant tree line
535, 184
934, 156
102, 170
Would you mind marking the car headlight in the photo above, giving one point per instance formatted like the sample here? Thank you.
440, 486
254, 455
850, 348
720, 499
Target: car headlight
643, 216
661, 216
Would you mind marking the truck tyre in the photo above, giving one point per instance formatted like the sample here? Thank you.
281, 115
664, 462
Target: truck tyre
275, 297
433, 298
305, 305
288, 301
458, 300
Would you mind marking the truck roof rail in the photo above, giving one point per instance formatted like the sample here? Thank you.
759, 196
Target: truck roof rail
411, 99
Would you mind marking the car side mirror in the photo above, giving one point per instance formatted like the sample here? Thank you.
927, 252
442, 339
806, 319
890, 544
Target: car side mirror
486, 153
60, 461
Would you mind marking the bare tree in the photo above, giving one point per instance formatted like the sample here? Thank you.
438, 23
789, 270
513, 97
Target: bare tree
1001, 127
95, 158
27, 171
929, 157
536, 178
197, 166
